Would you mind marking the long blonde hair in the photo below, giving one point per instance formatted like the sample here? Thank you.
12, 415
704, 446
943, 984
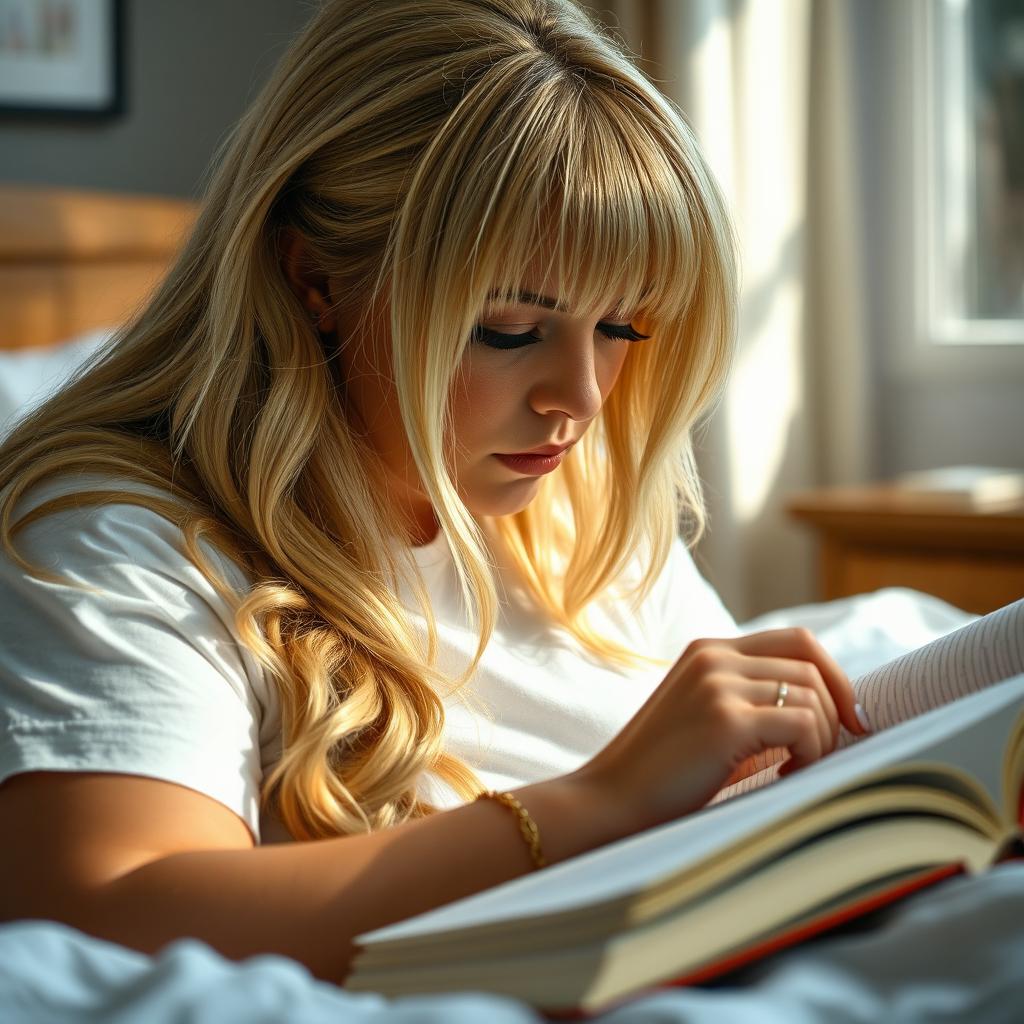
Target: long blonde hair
424, 149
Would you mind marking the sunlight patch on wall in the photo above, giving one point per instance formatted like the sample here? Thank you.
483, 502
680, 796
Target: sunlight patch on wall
763, 400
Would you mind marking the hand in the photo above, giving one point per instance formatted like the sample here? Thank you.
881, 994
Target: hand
714, 710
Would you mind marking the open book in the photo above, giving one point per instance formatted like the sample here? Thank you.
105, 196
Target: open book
936, 790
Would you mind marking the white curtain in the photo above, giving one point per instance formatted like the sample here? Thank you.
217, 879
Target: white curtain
768, 87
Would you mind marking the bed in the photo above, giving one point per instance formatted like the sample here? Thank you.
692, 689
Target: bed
75, 264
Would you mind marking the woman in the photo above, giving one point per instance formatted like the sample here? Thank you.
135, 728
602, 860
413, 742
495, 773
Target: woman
269, 573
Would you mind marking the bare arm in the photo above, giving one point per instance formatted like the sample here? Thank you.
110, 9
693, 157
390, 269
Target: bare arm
142, 862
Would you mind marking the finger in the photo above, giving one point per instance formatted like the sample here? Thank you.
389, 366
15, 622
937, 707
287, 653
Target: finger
765, 693
800, 642
806, 687
794, 728
798, 674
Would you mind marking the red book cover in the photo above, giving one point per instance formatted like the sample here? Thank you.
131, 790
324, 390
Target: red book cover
808, 929
758, 950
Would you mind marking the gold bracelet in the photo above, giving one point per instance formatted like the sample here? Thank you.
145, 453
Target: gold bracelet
526, 824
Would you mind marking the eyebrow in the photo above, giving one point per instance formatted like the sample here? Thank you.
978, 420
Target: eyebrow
533, 299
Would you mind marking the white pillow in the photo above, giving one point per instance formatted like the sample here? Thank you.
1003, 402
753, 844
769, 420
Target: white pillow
29, 376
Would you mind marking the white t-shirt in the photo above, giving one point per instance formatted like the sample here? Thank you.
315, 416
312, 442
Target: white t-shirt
147, 675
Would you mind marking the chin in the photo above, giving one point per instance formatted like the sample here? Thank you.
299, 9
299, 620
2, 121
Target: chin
503, 504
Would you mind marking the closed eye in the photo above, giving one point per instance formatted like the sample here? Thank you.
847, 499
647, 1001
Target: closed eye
496, 339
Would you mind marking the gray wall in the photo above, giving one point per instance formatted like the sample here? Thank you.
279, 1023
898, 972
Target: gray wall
191, 68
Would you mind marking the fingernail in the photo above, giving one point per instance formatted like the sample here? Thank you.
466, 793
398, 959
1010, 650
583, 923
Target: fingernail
862, 717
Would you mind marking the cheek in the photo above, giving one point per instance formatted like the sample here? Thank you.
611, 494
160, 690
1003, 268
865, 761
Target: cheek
481, 400
608, 366
612, 367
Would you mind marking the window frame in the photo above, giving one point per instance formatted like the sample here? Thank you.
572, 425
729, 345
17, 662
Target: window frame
944, 166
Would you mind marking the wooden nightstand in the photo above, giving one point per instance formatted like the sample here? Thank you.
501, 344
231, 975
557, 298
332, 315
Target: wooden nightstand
879, 535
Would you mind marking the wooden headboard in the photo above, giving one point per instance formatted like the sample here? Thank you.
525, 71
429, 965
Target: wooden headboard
73, 261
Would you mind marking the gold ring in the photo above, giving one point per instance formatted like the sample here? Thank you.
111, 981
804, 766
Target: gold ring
780, 697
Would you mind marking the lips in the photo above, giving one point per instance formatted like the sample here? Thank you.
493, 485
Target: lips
548, 449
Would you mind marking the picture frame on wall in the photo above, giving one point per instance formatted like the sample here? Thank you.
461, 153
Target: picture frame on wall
61, 58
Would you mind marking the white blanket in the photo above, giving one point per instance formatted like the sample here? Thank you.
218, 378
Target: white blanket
29, 376
952, 953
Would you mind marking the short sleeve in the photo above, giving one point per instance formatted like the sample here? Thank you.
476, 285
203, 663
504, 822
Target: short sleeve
143, 675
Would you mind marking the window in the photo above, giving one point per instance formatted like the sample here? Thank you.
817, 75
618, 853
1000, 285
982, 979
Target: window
972, 121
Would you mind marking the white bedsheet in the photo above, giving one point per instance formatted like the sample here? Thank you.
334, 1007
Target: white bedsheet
951, 953
28, 376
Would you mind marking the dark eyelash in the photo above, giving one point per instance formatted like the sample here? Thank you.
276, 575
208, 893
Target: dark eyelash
496, 339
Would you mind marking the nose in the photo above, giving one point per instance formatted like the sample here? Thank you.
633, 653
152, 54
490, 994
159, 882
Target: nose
570, 379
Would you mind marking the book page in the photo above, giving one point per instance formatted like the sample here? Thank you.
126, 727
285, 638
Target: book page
976, 656
969, 659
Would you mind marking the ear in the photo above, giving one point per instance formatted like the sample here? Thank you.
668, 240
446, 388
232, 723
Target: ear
311, 286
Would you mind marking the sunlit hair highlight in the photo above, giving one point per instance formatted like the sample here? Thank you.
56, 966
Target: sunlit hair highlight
427, 151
